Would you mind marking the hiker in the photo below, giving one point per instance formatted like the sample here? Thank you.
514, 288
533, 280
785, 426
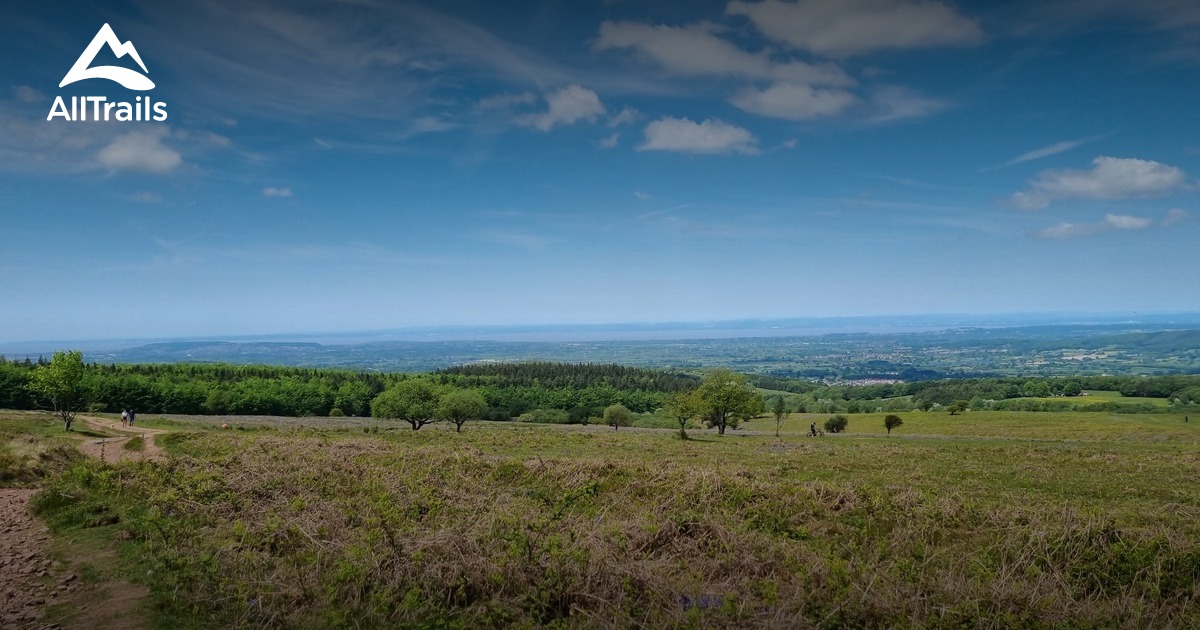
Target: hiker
813, 428
132, 415
124, 418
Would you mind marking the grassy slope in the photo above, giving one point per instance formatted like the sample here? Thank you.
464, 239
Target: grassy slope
985, 519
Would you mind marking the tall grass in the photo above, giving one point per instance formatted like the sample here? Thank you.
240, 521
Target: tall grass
580, 528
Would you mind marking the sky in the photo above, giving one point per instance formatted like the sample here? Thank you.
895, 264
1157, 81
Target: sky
363, 164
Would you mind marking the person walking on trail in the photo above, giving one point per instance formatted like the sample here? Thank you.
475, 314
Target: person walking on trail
813, 428
132, 415
124, 418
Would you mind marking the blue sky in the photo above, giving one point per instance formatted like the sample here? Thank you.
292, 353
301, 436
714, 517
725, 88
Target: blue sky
338, 166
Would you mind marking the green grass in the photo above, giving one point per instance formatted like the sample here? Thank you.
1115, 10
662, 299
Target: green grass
33, 447
1092, 396
985, 519
1009, 425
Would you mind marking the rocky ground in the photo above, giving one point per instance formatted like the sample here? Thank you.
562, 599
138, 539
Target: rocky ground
29, 579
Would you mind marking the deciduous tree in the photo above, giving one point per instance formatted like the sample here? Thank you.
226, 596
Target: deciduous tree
683, 407
61, 382
617, 416
414, 401
780, 410
462, 405
726, 399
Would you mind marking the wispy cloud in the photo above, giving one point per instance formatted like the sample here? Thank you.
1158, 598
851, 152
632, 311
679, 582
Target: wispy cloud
893, 103
143, 197
271, 191
845, 28
516, 238
1175, 216
627, 116
1047, 151
698, 50
27, 94
1109, 178
1110, 222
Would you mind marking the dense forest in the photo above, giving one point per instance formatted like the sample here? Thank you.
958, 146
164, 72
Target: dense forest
187, 388
572, 392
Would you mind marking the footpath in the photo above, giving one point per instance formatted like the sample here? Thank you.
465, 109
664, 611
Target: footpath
31, 580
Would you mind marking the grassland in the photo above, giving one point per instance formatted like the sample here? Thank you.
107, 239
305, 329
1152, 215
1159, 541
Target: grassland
986, 519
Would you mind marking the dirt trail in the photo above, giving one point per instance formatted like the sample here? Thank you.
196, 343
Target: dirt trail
28, 580
113, 449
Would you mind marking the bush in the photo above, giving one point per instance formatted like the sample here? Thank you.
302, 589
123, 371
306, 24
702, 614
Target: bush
336, 413
836, 424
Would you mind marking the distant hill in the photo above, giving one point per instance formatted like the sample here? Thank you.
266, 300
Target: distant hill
958, 353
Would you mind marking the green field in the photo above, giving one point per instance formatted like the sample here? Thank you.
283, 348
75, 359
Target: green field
985, 519
1104, 397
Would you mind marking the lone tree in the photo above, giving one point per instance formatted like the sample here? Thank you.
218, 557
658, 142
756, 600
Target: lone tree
461, 405
414, 401
957, 407
780, 410
617, 416
61, 382
891, 421
683, 407
726, 399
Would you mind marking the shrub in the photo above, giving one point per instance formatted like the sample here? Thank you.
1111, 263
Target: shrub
836, 424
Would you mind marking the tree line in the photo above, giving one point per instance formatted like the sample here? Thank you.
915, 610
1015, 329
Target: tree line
509, 390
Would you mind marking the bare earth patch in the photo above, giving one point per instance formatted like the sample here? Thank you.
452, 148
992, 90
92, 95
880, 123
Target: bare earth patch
111, 449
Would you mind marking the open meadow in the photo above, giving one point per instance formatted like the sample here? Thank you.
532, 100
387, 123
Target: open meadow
989, 519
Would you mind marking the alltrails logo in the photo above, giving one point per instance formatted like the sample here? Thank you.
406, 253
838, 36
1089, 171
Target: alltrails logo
99, 107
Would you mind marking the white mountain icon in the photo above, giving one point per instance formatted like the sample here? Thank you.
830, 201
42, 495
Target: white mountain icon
126, 77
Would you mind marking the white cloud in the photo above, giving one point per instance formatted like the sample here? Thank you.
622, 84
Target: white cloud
626, 116
1110, 222
710, 136
610, 141
793, 102
271, 191
141, 151
844, 28
1126, 222
566, 107
643, 196
1175, 216
696, 50
1110, 178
